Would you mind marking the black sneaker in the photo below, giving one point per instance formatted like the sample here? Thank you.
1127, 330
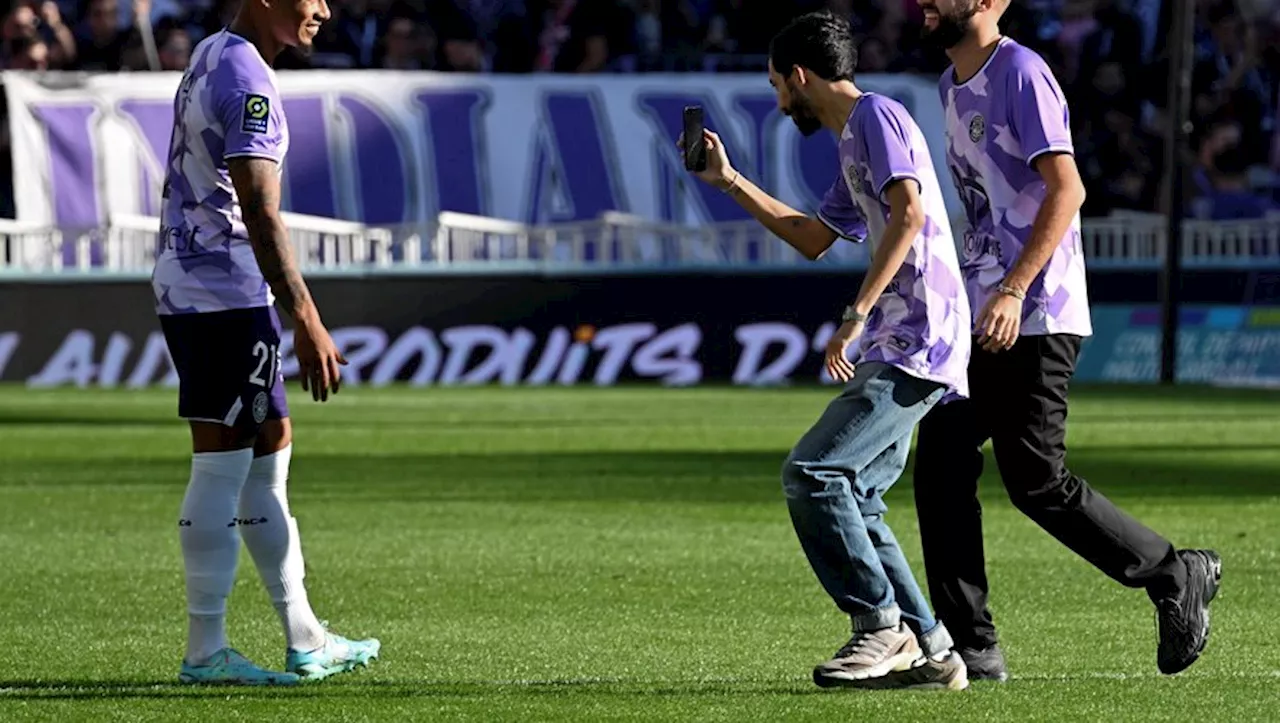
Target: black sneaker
1184, 621
985, 663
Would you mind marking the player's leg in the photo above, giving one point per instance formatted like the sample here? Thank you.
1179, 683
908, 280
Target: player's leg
208, 534
1029, 440
214, 355
820, 479
948, 463
270, 531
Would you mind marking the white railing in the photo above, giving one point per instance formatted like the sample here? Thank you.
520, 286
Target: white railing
614, 241
1137, 239
128, 242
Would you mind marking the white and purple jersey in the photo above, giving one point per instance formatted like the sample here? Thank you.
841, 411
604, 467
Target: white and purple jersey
921, 322
227, 106
997, 123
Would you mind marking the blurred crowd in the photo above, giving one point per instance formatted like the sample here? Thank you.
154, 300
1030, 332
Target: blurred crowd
1109, 55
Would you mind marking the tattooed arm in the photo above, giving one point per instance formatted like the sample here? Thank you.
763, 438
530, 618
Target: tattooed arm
805, 234
257, 187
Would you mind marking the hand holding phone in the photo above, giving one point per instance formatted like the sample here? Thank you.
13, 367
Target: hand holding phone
704, 152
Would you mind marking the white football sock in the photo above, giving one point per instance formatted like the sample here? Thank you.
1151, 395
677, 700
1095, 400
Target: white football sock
211, 546
271, 534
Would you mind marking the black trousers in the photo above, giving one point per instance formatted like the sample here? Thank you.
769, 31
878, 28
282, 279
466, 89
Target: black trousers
1018, 400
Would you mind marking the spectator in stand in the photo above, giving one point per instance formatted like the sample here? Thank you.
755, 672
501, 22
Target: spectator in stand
407, 46
28, 53
218, 15
100, 42
1116, 38
175, 49
59, 41
1222, 178
358, 30
133, 55
1229, 77
462, 33
1078, 23
563, 36
470, 32
37, 20
747, 26
873, 55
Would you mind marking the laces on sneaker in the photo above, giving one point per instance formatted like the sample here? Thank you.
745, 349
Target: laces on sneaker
863, 642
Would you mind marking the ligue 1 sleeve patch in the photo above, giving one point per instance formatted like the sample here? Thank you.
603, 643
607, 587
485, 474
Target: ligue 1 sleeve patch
257, 109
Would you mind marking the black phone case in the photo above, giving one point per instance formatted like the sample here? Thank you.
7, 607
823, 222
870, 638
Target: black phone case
695, 149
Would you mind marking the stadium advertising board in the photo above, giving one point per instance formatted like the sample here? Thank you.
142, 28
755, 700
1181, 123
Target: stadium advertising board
674, 330
390, 148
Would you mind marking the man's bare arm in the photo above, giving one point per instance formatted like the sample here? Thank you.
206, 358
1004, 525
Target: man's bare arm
257, 185
805, 234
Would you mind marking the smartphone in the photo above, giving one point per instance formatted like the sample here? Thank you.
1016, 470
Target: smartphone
695, 147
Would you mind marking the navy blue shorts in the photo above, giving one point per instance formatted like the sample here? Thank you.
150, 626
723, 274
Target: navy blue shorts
228, 365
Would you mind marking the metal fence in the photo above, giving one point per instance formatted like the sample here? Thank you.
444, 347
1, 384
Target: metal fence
612, 242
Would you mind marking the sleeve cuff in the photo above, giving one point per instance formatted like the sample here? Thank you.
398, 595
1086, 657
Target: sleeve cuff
827, 222
1054, 148
251, 154
897, 177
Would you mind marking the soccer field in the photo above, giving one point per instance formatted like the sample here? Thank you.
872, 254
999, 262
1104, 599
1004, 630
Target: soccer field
589, 554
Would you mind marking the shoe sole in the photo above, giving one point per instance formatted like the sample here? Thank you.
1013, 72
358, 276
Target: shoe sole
840, 679
898, 680
1212, 584
318, 673
185, 679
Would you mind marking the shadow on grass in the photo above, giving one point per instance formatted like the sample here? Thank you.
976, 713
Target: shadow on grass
1143, 472
88, 690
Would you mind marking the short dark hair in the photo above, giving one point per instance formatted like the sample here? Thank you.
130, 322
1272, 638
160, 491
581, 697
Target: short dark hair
821, 42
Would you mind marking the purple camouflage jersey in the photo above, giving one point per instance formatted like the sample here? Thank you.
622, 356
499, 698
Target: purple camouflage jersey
1008, 114
921, 322
226, 106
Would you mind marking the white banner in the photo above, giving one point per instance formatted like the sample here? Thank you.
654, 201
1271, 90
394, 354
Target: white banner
391, 148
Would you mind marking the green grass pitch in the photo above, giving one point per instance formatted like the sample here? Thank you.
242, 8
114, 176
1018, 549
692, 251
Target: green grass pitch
599, 555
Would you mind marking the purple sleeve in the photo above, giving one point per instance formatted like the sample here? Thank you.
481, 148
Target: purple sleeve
886, 139
841, 214
248, 108
1039, 114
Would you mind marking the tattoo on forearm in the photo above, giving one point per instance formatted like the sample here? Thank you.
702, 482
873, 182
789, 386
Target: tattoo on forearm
273, 251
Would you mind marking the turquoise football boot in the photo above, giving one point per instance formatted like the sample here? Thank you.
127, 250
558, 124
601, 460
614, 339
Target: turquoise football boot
337, 655
229, 667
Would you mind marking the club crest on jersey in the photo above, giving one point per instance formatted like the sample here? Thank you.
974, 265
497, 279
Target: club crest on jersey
977, 128
260, 408
257, 108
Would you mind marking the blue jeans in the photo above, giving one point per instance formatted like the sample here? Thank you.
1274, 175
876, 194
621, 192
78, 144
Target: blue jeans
835, 479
